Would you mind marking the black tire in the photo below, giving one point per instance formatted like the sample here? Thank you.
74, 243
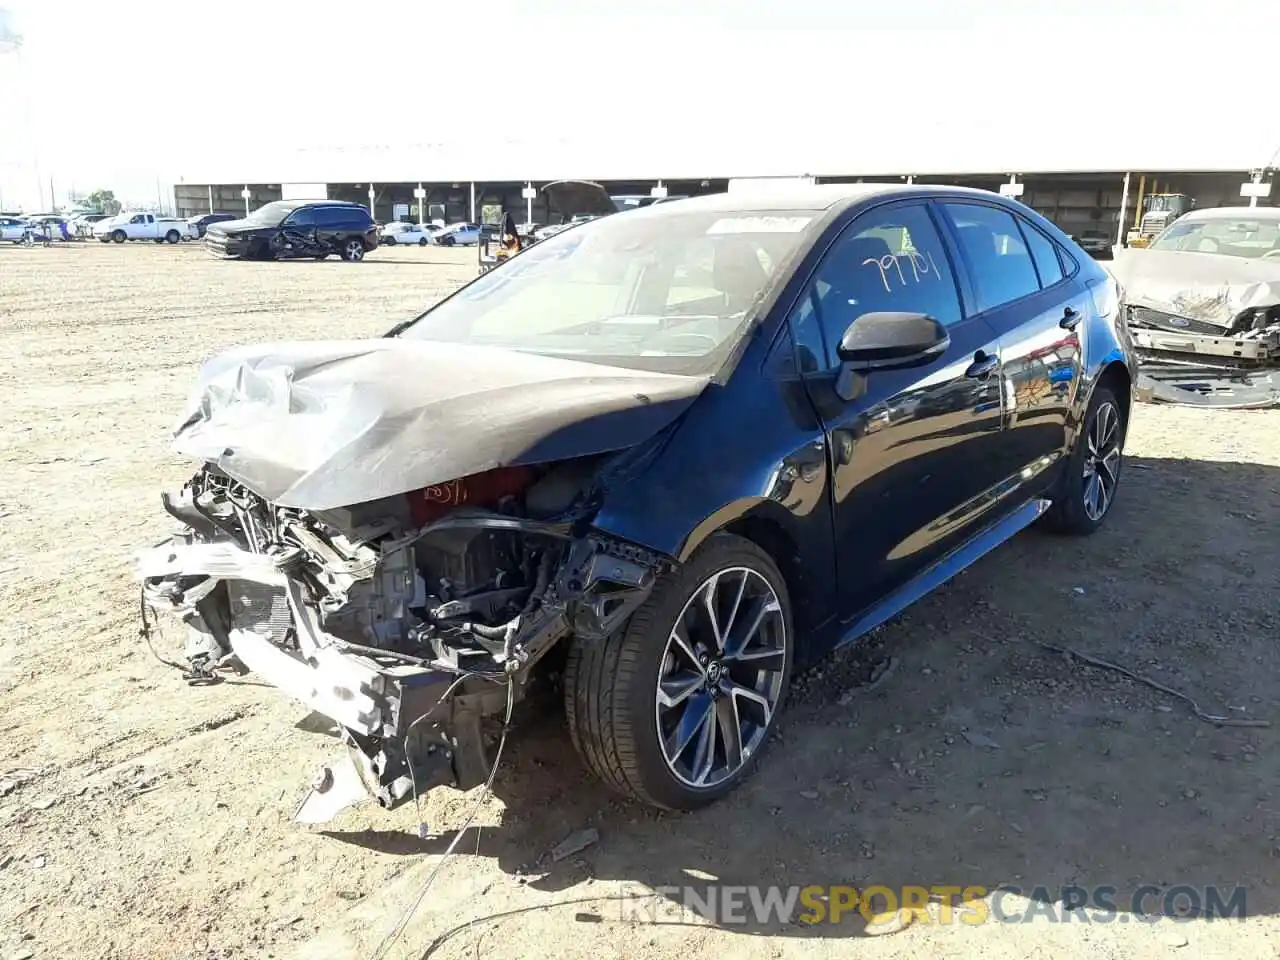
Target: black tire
611, 685
446, 241
389, 241
119, 236
353, 250
173, 236
422, 242
1074, 511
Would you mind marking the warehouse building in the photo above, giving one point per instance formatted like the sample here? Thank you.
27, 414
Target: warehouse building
1082, 189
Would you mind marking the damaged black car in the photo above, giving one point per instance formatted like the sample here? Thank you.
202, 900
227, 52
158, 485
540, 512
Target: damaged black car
652, 464
296, 229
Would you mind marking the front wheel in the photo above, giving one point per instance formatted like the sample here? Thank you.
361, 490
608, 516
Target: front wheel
675, 708
119, 236
422, 242
1091, 475
353, 251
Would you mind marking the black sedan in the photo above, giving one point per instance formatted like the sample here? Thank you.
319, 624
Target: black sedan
296, 229
664, 457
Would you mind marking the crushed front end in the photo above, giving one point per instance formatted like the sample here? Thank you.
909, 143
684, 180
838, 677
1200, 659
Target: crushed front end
407, 620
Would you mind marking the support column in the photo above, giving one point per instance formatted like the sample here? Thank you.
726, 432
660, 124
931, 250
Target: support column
373, 196
211, 198
472, 218
246, 194
421, 196
1257, 178
1124, 210
528, 202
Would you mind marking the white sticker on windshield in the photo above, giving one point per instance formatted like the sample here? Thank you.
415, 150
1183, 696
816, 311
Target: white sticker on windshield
759, 225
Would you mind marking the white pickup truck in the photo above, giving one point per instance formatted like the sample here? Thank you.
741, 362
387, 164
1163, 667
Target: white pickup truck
144, 226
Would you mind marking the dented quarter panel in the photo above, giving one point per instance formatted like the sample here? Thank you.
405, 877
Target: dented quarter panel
752, 448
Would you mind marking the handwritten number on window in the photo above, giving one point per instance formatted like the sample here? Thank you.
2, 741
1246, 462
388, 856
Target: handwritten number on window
890, 265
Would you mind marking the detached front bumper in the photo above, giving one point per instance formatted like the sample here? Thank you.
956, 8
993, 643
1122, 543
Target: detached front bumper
408, 725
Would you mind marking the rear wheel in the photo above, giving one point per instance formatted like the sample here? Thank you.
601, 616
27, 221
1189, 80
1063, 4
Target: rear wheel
1091, 475
172, 236
422, 242
353, 251
675, 708
389, 241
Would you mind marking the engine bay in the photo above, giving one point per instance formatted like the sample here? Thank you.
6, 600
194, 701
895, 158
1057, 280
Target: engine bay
435, 605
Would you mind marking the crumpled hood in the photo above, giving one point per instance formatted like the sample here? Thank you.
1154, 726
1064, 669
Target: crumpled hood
234, 227
319, 425
1201, 286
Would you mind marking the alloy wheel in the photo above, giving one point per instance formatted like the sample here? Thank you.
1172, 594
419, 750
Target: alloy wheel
1102, 461
721, 677
354, 251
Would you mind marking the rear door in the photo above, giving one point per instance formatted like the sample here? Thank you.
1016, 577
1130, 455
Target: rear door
911, 455
1026, 288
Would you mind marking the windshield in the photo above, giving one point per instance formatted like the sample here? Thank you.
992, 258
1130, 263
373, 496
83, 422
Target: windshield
1249, 237
667, 293
273, 213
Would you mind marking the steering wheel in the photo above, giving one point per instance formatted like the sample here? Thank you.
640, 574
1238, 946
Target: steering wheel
1271, 254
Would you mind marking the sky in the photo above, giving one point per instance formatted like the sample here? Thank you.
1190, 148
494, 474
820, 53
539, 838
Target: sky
130, 93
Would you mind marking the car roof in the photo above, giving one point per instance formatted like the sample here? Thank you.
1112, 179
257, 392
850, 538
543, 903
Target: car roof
298, 204
811, 197
1235, 213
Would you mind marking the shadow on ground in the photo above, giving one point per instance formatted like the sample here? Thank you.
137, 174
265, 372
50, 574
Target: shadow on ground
1071, 776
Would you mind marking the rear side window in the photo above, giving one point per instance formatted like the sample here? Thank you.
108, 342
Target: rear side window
1003, 270
1045, 254
343, 217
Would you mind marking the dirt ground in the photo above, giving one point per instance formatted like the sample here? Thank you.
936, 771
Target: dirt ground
142, 818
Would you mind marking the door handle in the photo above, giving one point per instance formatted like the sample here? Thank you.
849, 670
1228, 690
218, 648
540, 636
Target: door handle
983, 365
1070, 319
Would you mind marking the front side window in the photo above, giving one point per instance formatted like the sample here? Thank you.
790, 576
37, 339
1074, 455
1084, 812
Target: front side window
672, 293
1003, 270
306, 217
890, 259
1246, 237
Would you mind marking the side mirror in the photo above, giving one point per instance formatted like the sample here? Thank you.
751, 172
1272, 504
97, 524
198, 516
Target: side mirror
891, 341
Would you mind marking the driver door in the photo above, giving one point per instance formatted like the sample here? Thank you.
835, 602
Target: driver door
301, 230
911, 456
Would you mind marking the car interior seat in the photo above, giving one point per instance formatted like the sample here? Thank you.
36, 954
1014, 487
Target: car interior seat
738, 274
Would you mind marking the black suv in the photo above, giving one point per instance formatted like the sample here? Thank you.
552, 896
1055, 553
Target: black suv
291, 229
